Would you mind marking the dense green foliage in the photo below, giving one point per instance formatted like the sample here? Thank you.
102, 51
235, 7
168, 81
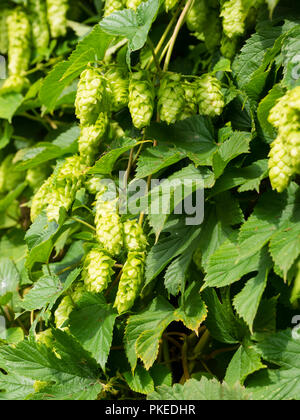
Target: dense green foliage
98, 301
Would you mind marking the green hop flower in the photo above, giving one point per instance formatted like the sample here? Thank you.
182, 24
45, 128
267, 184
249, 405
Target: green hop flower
171, 98
40, 199
90, 138
9, 177
38, 386
95, 185
112, 6
133, 4
4, 31
131, 282
280, 168
229, 47
63, 311
57, 17
190, 106
36, 177
170, 4
234, 16
66, 306
209, 95
197, 16
60, 189
109, 229
39, 24
16, 84
19, 39
97, 270
91, 96
284, 156
141, 99
134, 237
118, 84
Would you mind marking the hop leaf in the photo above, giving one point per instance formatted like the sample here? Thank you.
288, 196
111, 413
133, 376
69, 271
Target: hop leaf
91, 96
209, 95
97, 271
9, 177
171, 98
19, 38
134, 237
141, 99
131, 282
57, 17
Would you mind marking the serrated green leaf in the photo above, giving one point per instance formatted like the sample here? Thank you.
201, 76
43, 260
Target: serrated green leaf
92, 323
244, 362
203, 390
9, 104
246, 302
143, 332
139, 381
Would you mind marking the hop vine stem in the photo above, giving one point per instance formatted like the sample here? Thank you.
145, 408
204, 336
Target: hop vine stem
176, 32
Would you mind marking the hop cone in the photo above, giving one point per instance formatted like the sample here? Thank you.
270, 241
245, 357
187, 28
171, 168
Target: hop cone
97, 271
109, 229
57, 17
3, 31
91, 96
284, 156
171, 98
190, 106
228, 47
131, 282
118, 84
19, 39
36, 177
115, 131
66, 306
141, 99
196, 18
15, 84
170, 4
94, 185
133, 4
63, 311
9, 177
90, 138
280, 166
209, 95
233, 16
39, 24
134, 237
40, 199
112, 6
